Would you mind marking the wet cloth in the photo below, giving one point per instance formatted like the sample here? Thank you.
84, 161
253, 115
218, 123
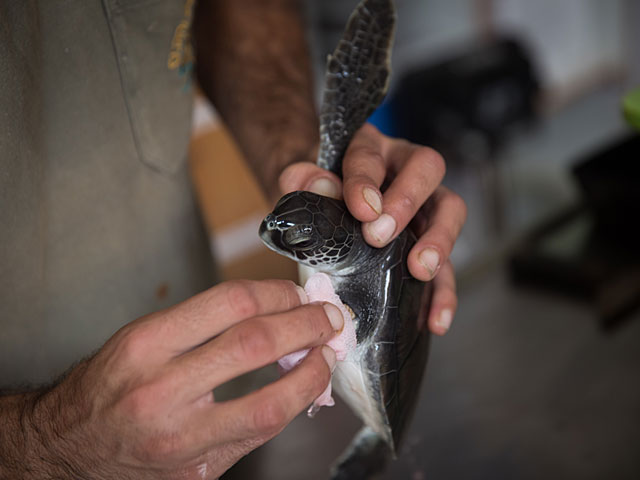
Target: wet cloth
319, 289
98, 224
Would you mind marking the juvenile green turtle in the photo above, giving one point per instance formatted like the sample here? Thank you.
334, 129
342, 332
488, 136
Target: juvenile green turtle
380, 378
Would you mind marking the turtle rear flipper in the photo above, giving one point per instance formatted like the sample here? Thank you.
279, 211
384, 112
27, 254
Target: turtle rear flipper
366, 456
357, 76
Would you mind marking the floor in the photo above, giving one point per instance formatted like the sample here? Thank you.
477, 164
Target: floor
526, 385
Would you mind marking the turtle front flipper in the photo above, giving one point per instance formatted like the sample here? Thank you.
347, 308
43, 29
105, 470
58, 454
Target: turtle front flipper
357, 79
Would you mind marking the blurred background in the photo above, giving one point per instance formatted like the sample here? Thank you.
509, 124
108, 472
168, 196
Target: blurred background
540, 375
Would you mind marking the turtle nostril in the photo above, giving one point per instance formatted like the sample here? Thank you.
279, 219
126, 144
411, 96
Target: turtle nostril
269, 222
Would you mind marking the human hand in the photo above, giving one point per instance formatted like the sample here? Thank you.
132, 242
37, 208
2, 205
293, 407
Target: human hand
143, 406
412, 175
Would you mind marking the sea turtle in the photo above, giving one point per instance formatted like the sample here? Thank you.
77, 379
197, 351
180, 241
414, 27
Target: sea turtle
379, 379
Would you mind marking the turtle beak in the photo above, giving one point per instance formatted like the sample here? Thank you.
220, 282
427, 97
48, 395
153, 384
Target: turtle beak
262, 231
265, 233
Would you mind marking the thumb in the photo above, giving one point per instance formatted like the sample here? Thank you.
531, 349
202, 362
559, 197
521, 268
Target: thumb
310, 177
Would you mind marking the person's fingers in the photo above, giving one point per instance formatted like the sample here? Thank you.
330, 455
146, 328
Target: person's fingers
252, 344
196, 320
310, 177
364, 170
444, 301
445, 217
265, 412
422, 171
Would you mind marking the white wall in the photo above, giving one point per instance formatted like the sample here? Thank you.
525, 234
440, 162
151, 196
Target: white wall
570, 38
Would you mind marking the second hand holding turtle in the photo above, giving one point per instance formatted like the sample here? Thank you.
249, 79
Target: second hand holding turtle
434, 212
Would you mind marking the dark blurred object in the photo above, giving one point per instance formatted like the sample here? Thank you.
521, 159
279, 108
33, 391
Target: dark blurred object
465, 107
592, 251
610, 181
478, 95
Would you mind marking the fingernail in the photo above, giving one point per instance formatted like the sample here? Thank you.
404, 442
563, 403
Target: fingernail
329, 356
382, 229
446, 316
302, 294
373, 199
324, 186
430, 259
335, 316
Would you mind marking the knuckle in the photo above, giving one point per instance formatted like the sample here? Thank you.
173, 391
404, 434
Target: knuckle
255, 342
139, 405
374, 156
407, 201
292, 177
270, 416
432, 160
316, 381
321, 378
288, 172
133, 342
241, 298
316, 322
362, 158
369, 129
289, 292
355, 181
444, 239
159, 448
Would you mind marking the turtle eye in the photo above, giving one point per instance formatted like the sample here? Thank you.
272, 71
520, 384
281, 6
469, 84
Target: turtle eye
300, 237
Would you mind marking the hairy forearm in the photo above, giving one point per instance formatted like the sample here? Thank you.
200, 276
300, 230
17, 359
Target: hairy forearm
253, 63
35, 438
18, 453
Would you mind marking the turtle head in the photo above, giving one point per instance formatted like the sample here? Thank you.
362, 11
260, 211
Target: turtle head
310, 229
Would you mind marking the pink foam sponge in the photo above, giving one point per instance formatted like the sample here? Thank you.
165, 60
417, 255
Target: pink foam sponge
320, 289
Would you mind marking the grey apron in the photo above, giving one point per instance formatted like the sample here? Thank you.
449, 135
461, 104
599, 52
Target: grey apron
98, 223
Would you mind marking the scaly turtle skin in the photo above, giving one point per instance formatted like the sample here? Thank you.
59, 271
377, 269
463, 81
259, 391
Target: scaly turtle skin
380, 380
356, 80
